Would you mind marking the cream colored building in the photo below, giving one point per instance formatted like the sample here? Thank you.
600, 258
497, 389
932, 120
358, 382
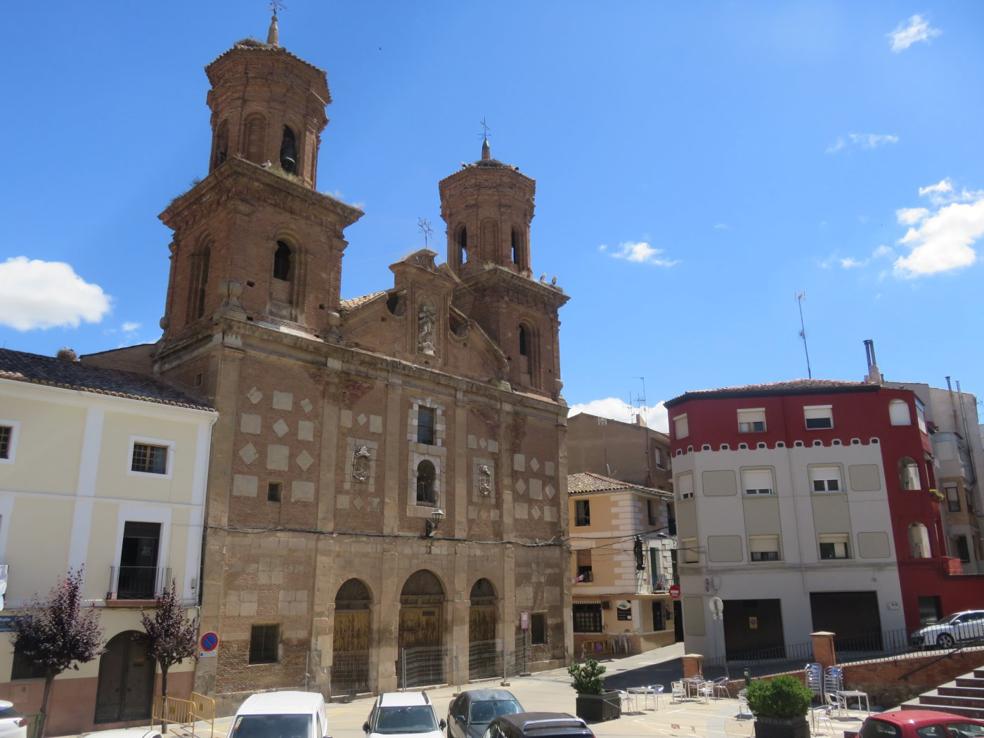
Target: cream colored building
621, 565
104, 470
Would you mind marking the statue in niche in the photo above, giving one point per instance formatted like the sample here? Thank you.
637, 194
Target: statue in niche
426, 319
484, 480
360, 464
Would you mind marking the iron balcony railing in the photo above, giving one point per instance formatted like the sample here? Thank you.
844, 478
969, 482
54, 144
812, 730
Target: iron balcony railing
128, 582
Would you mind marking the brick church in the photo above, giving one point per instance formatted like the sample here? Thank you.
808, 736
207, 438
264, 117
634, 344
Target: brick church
387, 486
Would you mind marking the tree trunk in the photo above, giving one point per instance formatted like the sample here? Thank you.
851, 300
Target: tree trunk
43, 716
163, 700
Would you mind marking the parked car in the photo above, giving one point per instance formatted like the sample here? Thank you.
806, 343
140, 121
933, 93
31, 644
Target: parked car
403, 714
140, 732
281, 715
538, 725
12, 723
470, 713
961, 627
921, 724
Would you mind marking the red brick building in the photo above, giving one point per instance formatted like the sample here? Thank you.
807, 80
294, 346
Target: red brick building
387, 491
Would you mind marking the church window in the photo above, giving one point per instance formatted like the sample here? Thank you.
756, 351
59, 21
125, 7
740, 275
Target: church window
288, 151
425, 425
524, 341
515, 242
201, 280
281, 262
462, 240
221, 144
426, 477
255, 137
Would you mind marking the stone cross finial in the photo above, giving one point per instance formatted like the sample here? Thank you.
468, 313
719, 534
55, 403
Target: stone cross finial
486, 149
425, 227
273, 35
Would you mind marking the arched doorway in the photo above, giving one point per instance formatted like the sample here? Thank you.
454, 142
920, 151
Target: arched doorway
350, 644
482, 648
420, 658
126, 679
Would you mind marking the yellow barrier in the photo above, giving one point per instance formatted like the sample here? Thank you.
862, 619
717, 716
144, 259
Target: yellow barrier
185, 714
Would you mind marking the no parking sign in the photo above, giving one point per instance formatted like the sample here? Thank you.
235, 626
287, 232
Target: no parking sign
208, 644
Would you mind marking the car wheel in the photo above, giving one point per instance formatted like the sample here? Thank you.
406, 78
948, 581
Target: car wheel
944, 640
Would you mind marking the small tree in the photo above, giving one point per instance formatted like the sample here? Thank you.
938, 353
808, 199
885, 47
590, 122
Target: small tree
58, 634
587, 677
172, 636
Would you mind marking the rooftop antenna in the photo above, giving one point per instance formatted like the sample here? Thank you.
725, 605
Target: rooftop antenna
425, 227
486, 149
800, 296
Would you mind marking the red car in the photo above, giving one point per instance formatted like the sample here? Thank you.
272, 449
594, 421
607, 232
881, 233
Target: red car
921, 724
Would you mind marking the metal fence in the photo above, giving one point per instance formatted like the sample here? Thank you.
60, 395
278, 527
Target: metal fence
350, 672
421, 666
429, 666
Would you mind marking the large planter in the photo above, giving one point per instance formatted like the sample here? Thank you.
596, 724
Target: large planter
770, 727
596, 708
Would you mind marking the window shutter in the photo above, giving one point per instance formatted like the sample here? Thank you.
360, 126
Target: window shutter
685, 485
898, 412
761, 544
757, 481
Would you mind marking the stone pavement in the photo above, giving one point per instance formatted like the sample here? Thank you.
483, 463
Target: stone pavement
551, 691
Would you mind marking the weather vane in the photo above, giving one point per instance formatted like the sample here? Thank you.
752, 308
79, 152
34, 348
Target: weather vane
485, 128
276, 6
425, 227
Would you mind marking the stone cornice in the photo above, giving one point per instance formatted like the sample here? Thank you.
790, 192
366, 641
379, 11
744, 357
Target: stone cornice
525, 289
239, 179
235, 334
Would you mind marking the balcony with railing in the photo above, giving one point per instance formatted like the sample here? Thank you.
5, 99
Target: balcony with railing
131, 583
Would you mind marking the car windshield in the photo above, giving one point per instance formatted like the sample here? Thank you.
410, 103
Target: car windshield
488, 710
964, 730
405, 719
272, 726
874, 728
8, 712
947, 619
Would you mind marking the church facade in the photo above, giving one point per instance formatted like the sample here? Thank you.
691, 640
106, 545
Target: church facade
387, 488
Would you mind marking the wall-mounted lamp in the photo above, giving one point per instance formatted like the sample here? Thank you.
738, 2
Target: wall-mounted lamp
431, 525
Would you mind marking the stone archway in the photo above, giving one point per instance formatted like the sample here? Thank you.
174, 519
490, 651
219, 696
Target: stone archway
420, 654
125, 688
482, 645
351, 639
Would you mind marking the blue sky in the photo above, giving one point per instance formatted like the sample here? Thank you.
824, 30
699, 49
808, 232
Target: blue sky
697, 164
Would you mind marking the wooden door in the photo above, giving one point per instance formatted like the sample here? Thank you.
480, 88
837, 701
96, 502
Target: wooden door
350, 652
481, 642
126, 680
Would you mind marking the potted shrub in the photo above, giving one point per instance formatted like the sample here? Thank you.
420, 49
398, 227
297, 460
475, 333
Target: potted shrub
594, 704
780, 706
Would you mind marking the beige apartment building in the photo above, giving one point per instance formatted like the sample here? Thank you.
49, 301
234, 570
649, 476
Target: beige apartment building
104, 470
622, 566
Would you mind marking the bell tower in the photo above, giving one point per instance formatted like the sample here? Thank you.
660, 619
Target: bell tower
254, 240
488, 206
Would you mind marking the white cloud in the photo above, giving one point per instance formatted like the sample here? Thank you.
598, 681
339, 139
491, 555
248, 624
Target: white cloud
943, 187
850, 262
616, 409
45, 294
130, 327
639, 252
722, 227
910, 216
862, 141
915, 30
943, 241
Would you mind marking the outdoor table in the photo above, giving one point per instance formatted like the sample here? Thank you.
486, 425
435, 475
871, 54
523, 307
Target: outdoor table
848, 694
692, 685
646, 693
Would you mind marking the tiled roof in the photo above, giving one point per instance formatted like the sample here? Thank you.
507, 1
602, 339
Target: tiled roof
252, 44
790, 387
357, 302
585, 482
53, 372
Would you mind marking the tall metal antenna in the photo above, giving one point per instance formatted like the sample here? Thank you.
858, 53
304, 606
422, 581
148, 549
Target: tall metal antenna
800, 296
425, 227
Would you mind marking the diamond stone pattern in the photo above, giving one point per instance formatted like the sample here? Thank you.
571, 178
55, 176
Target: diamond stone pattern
254, 395
306, 405
304, 460
534, 464
280, 427
248, 453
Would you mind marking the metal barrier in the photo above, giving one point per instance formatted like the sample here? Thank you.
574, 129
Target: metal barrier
483, 660
421, 666
185, 713
349, 672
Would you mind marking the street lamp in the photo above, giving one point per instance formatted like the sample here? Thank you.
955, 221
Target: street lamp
431, 525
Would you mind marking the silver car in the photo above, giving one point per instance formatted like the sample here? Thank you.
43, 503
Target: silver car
960, 627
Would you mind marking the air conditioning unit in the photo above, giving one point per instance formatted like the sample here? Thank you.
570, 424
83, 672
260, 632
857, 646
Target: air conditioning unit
606, 605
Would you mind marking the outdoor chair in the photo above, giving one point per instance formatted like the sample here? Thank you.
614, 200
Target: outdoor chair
835, 702
627, 701
722, 687
743, 703
705, 690
677, 692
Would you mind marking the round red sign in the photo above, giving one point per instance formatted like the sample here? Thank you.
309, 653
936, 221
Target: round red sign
674, 591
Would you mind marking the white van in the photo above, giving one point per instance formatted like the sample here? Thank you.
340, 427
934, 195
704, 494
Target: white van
281, 715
